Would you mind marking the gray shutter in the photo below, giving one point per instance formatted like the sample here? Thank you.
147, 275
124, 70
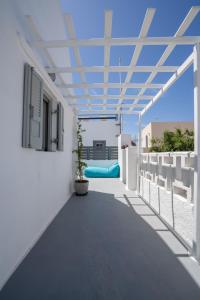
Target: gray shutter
32, 113
36, 111
52, 126
60, 127
26, 106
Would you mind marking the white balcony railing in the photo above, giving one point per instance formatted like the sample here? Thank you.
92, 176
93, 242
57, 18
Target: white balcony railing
166, 183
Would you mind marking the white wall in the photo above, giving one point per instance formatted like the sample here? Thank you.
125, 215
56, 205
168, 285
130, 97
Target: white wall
34, 185
100, 130
100, 163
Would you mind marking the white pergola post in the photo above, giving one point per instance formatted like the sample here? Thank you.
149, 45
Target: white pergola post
196, 237
139, 154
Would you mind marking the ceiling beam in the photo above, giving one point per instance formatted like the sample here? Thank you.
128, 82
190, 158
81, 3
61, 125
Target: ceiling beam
106, 112
111, 97
112, 85
148, 41
109, 105
97, 69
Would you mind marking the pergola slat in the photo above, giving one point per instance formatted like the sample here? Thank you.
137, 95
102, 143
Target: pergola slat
106, 112
110, 105
148, 41
107, 34
112, 97
112, 85
101, 69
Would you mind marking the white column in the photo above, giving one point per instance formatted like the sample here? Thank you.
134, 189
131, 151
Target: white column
123, 168
131, 168
123, 139
139, 154
196, 238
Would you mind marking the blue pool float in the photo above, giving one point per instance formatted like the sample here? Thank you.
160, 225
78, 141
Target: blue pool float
102, 172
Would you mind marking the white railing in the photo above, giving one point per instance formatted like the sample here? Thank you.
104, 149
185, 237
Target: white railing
166, 183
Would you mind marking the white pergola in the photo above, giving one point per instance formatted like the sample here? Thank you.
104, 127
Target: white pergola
135, 105
104, 106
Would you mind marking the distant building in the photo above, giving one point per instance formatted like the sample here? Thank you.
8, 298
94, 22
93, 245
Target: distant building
100, 130
100, 139
156, 130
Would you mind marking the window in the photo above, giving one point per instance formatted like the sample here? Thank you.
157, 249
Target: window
99, 145
99, 149
43, 116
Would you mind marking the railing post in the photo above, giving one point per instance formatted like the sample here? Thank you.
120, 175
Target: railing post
139, 154
196, 237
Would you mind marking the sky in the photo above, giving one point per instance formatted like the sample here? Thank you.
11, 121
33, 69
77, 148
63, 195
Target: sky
88, 16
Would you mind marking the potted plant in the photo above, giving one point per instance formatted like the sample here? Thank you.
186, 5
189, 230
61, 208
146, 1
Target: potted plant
81, 184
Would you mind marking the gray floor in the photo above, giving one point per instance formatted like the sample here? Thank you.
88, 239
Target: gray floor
107, 245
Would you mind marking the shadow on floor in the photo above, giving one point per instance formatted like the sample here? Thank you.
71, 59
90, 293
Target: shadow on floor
99, 248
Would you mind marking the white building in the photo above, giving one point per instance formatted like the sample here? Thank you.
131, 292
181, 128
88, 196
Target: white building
38, 127
101, 129
100, 140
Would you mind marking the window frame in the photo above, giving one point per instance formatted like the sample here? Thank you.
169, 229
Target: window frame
41, 130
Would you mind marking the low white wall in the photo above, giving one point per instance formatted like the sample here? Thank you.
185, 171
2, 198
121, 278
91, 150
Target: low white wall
166, 183
34, 185
100, 163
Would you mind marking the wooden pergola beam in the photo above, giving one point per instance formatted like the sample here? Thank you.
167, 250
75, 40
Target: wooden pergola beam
110, 97
112, 85
147, 41
113, 69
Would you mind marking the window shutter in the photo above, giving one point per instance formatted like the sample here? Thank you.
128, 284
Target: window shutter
32, 114
26, 106
60, 127
53, 126
36, 111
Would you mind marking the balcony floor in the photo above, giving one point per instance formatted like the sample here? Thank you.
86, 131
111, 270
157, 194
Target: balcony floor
107, 245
